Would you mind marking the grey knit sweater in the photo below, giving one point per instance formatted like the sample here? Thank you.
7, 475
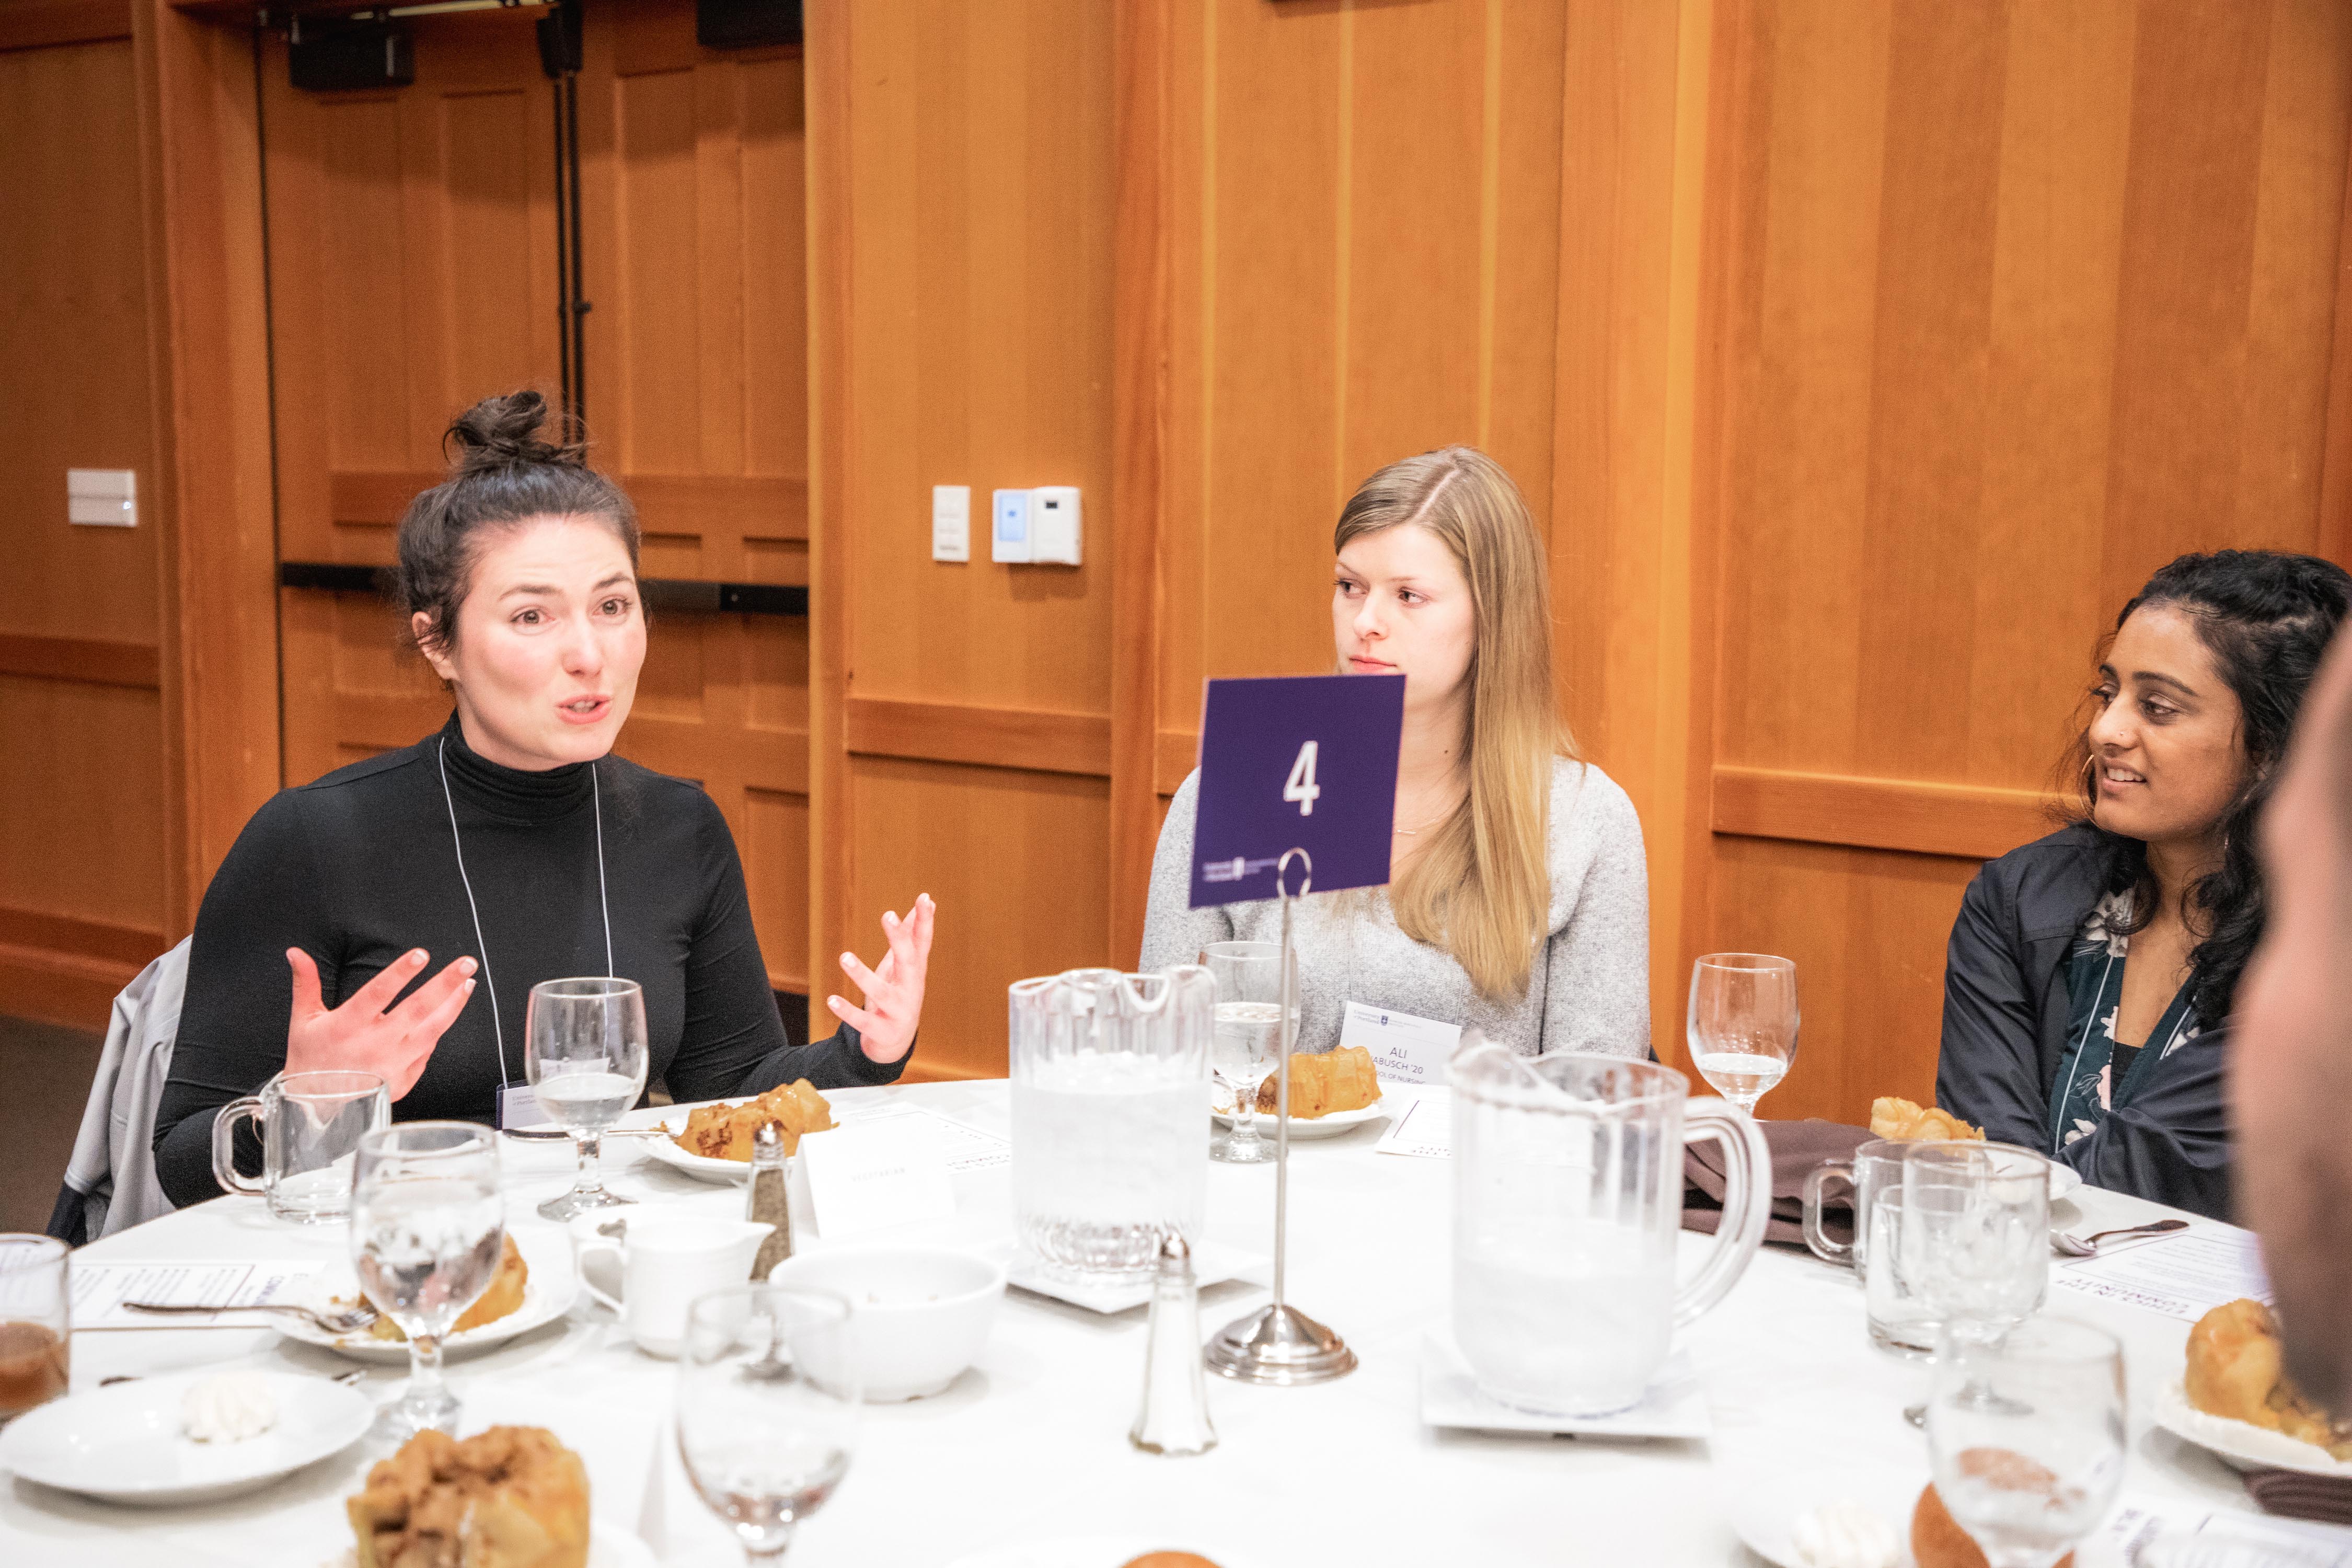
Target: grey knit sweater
1590, 988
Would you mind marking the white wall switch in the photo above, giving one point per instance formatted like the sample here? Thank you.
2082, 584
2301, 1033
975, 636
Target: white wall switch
107, 498
950, 522
1009, 535
1053, 531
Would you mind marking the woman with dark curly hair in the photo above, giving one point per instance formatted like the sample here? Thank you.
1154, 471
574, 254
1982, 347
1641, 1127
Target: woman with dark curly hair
2091, 973
511, 846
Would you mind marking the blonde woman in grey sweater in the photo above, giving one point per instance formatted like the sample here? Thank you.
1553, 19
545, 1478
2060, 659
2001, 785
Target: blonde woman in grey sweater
1518, 899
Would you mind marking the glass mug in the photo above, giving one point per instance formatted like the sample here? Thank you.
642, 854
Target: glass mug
1110, 1116
36, 1303
1567, 1203
312, 1124
1898, 1324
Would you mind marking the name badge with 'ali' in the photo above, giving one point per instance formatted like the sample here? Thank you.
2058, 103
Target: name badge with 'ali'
1405, 1049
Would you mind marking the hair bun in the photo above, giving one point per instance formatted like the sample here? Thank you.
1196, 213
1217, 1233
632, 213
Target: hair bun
503, 432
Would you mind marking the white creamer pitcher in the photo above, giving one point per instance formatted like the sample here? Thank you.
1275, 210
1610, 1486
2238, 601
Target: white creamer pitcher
1568, 1200
1110, 1098
667, 1257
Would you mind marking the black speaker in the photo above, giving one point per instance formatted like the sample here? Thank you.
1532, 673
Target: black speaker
746, 23
323, 55
559, 39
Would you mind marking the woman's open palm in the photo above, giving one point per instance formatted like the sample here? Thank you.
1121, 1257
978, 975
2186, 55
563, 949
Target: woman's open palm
363, 1036
894, 992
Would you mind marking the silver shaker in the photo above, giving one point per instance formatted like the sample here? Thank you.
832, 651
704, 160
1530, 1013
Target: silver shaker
765, 1199
1175, 1414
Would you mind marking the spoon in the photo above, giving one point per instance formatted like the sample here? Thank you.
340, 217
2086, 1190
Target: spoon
2088, 1246
342, 1323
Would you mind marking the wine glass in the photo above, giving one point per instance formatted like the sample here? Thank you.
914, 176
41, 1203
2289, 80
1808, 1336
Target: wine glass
586, 1059
1973, 1242
767, 1408
428, 1228
2030, 1470
1248, 1037
1743, 1022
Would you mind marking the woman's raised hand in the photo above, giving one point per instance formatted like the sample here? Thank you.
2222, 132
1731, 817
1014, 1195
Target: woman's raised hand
361, 1035
894, 993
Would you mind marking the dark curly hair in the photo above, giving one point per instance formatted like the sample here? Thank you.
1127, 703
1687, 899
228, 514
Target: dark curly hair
2267, 617
500, 473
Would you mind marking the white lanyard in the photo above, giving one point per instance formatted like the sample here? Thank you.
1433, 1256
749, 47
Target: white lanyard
482, 948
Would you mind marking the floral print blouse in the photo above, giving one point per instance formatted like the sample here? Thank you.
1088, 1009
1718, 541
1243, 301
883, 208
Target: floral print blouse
2097, 1074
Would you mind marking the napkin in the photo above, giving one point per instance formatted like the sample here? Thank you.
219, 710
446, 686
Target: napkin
2327, 1498
1797, 1147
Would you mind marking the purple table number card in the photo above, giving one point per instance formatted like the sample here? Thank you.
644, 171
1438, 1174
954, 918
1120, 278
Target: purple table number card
1296, 762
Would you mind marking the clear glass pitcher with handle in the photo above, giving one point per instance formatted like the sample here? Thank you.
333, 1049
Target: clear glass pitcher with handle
1568, 1202
1110, 1115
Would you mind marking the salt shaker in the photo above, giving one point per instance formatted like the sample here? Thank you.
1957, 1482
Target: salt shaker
768, 1203
1175, 1414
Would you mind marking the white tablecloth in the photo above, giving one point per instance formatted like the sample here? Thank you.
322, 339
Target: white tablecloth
1032, 1445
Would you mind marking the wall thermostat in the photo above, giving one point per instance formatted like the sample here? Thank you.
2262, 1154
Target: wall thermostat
1054, 524
1008, 532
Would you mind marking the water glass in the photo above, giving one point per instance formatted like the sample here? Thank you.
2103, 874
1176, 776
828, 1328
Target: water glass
2026, 1438
1899, 1320
1248, 1037
312, 1124
767, 1408
1110, 1097
1743, 1022
1975, 1234
585, 1058
427, 1229
36, 1322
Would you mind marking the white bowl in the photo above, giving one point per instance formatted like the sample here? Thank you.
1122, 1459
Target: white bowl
922, 1312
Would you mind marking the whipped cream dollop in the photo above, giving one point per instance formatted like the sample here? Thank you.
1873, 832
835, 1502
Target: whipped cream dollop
1843, 1536
228, 1408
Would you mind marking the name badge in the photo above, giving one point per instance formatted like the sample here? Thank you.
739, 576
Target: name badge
1405, 1049
872, 1175
518, 1107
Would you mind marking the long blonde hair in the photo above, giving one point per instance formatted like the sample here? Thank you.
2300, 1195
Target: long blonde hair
1482, 890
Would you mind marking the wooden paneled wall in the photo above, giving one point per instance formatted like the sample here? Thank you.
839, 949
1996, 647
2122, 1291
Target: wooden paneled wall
1857, 361
126, 266
413, 270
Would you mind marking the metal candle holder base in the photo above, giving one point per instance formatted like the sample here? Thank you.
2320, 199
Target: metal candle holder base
1278, 1344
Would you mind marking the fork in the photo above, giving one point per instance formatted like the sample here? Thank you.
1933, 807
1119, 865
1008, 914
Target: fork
343, 1322
2088, 1246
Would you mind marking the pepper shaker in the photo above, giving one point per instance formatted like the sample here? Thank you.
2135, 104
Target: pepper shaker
767, 1202
1175, 1414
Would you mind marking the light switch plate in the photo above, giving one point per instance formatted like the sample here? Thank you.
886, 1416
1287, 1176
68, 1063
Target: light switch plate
103, 498
1008, 537
950, 522
1054, 524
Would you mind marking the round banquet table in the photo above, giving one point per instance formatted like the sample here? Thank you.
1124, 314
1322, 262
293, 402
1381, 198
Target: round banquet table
1031, 1444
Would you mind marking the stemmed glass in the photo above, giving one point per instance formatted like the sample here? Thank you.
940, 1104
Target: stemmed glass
586, 1059
1974, 1239
428, 1227
767, 1408
2026, 1436
1248, 1037
1743, 1022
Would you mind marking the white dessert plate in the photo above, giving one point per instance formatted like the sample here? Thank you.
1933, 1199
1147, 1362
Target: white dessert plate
2241, 1445
547, 1294
2064, 1179
1765, 1510
1329, 1126
1212, 1264
665, 1150
609, 1546
1674, 1407
125, 1444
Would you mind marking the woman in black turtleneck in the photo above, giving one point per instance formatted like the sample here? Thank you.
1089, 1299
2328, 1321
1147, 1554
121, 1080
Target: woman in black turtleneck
520, 574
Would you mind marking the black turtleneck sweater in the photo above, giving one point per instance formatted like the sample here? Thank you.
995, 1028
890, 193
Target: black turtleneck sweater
359, 868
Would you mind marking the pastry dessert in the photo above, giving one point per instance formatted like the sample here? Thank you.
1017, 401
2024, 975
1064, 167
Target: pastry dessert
1902, 1121
1341, 1080
1168, 1560
2234, 1370
724, 1131
511, 1496
1937, 1538
504, 1296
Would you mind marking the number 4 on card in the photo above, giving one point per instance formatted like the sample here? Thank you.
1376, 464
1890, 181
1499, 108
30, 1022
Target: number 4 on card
1301, 787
